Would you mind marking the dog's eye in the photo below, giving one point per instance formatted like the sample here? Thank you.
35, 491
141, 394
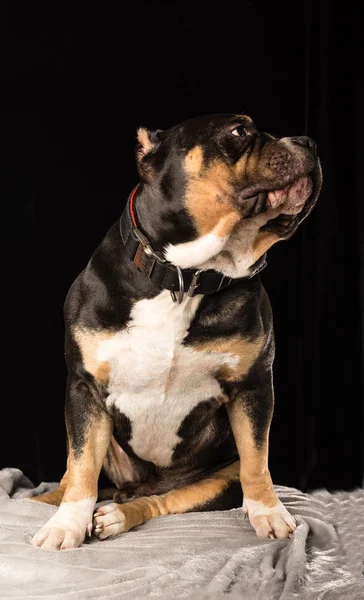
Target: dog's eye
240, 131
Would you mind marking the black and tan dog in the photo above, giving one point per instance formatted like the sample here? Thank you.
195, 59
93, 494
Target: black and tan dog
169, 337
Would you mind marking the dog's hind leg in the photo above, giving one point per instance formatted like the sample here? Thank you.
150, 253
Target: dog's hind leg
221, 490
55, 497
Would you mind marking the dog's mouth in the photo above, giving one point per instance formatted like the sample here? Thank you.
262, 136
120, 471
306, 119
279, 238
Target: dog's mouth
293, 197
296, 198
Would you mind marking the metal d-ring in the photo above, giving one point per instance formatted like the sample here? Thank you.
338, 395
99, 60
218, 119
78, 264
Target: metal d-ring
181, 285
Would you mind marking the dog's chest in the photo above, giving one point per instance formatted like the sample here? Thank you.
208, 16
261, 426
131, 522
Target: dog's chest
156, 381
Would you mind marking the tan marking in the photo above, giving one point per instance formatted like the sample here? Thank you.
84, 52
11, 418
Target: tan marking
197, 494
208, 193
55, 497
180, 500
67, 527
209, 199
226, 224
246, 166
193, 161
144, 139
88, 342
246, 351
84, 469
254, 472
262, 243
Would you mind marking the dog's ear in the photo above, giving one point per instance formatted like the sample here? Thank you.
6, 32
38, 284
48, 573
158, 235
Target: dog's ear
148, 143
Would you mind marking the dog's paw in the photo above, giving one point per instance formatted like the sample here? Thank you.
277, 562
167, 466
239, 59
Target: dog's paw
67, 527
58, 538
275, 522
109, 520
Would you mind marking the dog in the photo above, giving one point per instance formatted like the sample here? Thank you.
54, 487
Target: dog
169, 334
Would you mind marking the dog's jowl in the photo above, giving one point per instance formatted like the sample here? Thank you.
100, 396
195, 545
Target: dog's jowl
169, 336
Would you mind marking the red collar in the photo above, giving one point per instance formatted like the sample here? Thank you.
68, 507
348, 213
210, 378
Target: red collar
131, 205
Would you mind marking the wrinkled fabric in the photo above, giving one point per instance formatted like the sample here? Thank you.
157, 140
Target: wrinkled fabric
209, 555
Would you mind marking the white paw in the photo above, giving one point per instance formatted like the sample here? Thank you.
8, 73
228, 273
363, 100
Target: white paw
109, 520
275, 522
68, 526
56, 538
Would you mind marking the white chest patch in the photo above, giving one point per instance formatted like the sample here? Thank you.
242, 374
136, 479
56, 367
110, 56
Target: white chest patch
154, 380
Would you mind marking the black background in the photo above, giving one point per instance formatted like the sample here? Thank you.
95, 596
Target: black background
76, 81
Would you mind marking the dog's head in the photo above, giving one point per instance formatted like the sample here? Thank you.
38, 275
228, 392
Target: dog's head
218, 193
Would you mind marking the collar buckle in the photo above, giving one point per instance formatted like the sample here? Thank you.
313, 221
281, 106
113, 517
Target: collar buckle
258, 269
147, 248
194, 283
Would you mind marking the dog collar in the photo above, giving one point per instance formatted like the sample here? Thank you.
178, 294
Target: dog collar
165, 274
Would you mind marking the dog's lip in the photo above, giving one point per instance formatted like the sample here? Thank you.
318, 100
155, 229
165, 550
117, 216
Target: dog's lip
314, 176
253, 192
292, 197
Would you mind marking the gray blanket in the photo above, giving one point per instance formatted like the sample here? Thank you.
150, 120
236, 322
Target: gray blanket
197, 556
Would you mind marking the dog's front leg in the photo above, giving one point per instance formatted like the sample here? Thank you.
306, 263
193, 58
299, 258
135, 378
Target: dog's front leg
250, 414
89, 430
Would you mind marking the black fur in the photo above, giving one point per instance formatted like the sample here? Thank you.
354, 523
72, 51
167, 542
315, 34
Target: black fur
230, 497
103, 295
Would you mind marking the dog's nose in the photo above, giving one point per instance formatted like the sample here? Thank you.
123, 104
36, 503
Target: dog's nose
304, 140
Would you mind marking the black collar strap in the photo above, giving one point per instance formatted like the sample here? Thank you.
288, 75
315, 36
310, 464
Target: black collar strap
163, 273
